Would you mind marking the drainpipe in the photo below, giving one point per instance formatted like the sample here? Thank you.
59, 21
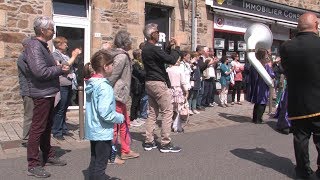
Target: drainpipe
193, 26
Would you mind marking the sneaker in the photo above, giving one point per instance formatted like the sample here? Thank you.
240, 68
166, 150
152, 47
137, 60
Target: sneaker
227, 105
195, 112
59, 138
232, 103
55, 161
239, 103
38, 172
169, 148
135, 123
190, 112
117, 160
214, 103
201, 108
149, 146
223, 105
130, 155
211, 105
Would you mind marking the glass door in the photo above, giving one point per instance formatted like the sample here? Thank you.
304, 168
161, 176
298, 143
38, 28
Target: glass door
75, 27
75, 37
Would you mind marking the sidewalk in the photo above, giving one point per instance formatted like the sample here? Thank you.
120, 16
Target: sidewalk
213, 117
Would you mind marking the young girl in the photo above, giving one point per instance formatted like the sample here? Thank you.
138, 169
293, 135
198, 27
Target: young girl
179, 93
100, 113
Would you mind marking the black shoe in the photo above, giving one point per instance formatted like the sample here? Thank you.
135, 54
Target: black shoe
149, 146
169, 148
24, 144
38, 172
201, 108
54, 161
260, 122
285, 131
306, 175
318, 172
59, 137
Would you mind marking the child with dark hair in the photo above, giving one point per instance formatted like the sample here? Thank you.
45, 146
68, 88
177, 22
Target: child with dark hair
100, 113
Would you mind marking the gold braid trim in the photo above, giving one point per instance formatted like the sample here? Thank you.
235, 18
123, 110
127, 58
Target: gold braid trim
304, 117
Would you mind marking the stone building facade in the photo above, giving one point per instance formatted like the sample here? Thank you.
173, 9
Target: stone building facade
105, 18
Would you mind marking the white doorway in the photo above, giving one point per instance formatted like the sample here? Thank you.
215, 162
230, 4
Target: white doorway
72, 21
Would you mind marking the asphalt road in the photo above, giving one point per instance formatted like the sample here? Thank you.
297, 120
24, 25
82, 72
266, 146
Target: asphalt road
241, 152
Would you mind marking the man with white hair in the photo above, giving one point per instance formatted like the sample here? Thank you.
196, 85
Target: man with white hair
43, 80
157, 87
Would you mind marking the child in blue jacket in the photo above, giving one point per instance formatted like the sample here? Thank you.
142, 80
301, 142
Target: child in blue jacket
100, 113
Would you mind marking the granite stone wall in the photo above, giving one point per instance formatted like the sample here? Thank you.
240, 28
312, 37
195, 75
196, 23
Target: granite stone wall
16, 22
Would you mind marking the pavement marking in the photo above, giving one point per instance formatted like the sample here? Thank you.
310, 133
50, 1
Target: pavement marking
17, 128
10, 131
3, 134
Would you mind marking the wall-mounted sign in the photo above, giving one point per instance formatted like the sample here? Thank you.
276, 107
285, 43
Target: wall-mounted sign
261, 7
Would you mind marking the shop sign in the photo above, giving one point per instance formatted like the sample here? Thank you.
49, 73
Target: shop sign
265, 9
259, 7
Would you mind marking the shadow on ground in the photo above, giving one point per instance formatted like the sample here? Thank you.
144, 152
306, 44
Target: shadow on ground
73, 127
86, 176
262, 157
60, 152
235, 118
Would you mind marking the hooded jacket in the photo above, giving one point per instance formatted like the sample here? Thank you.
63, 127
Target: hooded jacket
120, 78
100, 110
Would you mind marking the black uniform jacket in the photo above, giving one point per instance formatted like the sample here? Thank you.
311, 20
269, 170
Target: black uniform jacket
300, 58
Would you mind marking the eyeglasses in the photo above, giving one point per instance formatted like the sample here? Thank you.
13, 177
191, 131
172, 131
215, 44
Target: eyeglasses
51, 30
157, 32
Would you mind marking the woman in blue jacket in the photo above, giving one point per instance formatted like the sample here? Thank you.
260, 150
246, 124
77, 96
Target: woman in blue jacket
224, 81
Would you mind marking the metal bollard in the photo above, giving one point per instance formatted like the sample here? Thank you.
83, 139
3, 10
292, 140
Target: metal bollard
81, 114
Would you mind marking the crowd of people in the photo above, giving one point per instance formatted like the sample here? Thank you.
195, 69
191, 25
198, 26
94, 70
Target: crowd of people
168, 82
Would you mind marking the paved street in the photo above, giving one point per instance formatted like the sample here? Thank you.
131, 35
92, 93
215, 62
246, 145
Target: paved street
218, 144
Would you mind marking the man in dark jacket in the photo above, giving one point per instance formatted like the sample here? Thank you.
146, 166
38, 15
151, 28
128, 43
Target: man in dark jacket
157, 87
25, 94
300, 58
43, 80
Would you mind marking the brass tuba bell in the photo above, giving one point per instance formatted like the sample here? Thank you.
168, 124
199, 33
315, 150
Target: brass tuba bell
258, 36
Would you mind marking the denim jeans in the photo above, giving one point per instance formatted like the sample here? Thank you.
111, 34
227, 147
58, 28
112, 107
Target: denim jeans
200, 95
144, 106
193, 95
100, 152
59, 121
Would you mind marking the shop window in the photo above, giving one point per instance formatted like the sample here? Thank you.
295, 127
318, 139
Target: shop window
227, 43
70, 7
